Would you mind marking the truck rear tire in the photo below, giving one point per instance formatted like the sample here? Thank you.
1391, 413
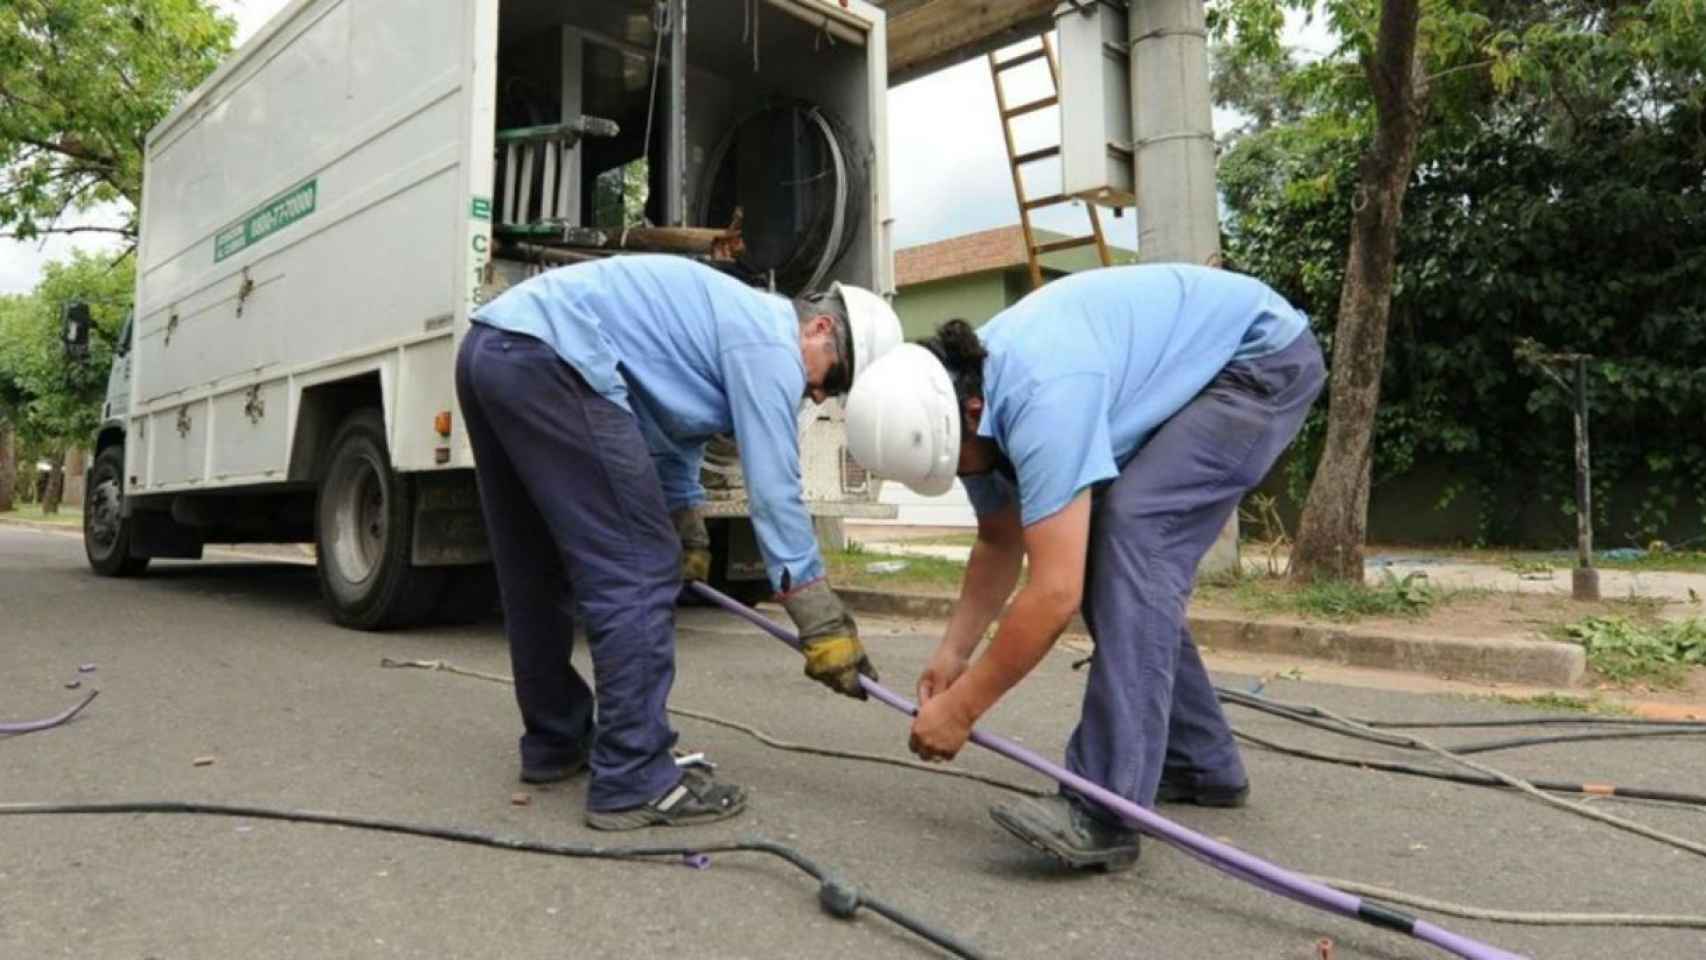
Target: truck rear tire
363, 527
106, 530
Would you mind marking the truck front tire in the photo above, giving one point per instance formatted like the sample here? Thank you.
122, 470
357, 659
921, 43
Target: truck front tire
106, 530
362, 526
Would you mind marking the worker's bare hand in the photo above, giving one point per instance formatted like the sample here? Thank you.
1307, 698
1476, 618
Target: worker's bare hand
941, 729
944, 667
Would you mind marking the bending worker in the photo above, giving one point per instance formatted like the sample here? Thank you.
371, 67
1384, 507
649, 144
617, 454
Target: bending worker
588, 393
1105, 427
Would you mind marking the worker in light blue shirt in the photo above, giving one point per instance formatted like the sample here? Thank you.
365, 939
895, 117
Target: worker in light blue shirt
1105, 428
589, 393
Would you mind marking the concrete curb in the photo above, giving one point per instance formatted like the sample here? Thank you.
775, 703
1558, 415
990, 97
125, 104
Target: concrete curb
1532, 662
73, 528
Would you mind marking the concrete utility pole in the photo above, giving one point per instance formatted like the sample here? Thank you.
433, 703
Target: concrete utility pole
1178, 215
1173, 133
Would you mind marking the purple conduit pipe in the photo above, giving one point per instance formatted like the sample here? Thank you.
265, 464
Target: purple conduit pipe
1254, 870
53, 721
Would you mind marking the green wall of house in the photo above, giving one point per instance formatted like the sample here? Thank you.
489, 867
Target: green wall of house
975, 298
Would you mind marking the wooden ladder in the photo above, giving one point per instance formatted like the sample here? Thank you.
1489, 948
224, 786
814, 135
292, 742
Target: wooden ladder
1015, 160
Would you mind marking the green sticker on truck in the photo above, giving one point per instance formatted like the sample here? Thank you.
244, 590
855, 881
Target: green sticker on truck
271, 217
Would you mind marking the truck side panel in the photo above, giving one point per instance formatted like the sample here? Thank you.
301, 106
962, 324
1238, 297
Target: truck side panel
307, 209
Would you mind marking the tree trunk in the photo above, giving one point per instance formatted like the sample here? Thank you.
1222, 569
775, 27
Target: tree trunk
76, 459
55, 487
1334, 524
8, 465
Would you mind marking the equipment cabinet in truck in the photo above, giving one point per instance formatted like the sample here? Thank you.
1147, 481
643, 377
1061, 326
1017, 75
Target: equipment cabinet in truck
321, 216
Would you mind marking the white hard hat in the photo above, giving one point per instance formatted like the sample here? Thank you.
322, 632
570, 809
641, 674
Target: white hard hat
903, 420
873, 329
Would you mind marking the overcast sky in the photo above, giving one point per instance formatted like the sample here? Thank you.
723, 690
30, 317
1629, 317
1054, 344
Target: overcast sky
948, 165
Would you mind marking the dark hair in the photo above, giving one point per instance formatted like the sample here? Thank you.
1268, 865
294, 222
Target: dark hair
955, 343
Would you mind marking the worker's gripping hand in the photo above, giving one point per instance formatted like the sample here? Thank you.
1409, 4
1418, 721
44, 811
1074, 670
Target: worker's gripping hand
695, 544
829, 638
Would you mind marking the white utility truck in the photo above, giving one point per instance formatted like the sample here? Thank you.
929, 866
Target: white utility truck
320, 218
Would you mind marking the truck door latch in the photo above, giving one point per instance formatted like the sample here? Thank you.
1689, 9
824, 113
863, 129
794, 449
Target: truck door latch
243, 291
253, 406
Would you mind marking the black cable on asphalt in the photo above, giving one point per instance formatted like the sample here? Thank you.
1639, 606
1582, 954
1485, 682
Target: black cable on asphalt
1474, 779
1241, 696
1530, 790
1515, 742
1312, 717
1531, 722
835, 896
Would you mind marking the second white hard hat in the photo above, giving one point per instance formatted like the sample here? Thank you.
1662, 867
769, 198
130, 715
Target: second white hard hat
903, 420
873, 328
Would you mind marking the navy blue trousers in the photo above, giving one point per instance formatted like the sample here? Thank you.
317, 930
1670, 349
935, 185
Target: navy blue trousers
1149, 706
577, 523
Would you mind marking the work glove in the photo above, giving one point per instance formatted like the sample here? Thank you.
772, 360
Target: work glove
695, 544
829, 638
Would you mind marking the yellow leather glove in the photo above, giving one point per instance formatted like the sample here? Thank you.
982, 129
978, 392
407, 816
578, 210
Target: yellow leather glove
695, 544
829, 638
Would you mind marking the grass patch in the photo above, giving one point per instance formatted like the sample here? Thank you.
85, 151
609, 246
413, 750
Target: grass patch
1525, 567
1564, 703
859, 567
70, 516
1411, 597
948, 540
1674, 561
1625, 650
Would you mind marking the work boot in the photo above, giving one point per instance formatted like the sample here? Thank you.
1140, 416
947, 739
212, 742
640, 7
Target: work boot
1182, 788
696, 798
558, 768
553, 773
1064, 829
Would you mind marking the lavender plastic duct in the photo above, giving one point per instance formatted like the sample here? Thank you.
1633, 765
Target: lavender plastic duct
1229, 859
32, 726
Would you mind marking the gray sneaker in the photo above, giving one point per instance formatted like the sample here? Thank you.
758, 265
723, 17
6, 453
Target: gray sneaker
696, 798
1060, 827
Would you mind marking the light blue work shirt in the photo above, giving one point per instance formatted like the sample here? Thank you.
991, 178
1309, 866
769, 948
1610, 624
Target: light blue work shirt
691, 352
1082, 371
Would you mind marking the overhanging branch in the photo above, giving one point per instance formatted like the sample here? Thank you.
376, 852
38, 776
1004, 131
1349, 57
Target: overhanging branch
117, 231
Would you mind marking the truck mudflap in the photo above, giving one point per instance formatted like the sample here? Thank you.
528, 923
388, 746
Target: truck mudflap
448, 527
155, 534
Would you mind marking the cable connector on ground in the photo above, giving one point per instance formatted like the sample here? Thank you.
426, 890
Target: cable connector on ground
838, 897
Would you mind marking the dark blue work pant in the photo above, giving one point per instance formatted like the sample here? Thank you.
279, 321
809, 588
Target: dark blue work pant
1149, 707
575, 515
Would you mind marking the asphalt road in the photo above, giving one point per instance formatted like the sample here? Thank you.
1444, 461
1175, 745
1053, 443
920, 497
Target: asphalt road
234, 660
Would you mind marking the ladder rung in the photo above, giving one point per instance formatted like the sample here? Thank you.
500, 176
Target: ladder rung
1019, 60
1034, 155
1065, 244
1031, 107
1047, 201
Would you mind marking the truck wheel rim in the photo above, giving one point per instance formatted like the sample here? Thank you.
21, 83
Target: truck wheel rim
358, 521
104, 514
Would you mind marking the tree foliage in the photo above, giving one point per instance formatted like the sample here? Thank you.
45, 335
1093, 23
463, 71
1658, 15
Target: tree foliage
81, 84
1559, 195
53, 401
